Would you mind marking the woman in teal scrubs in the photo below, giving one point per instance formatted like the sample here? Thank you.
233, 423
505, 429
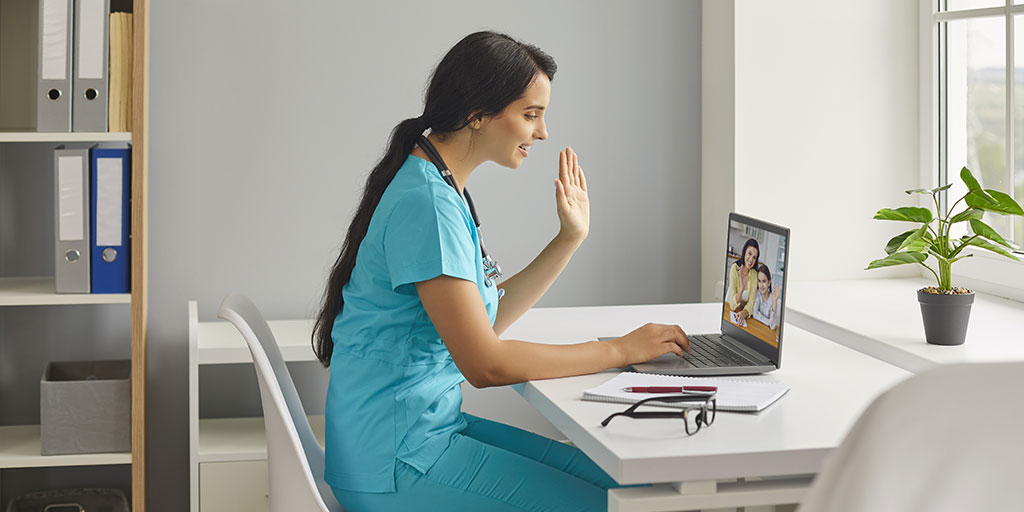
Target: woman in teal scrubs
409, 314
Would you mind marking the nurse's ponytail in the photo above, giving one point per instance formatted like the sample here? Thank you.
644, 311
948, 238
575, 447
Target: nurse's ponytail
403, 138
480, 76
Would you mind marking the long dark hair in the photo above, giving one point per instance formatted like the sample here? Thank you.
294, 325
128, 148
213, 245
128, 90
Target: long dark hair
743, 254
480, 76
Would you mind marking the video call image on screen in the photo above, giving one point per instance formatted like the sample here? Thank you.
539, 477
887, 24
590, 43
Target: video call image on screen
753, 281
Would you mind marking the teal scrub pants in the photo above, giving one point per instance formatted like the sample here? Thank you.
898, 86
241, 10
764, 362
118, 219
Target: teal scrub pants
490, 466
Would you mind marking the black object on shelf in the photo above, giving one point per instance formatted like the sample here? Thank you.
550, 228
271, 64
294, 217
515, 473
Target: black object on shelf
71, 500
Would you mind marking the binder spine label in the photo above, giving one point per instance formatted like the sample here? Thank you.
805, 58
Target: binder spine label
109, 189
71, 206
90, 39
54, 40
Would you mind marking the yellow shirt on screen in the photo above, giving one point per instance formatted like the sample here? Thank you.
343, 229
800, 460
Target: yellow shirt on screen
734, 289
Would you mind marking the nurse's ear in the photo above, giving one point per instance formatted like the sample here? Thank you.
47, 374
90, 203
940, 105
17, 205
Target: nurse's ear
475, 122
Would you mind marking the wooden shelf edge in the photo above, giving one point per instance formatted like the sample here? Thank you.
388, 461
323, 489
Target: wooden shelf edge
11, 136
39, 291
20, 448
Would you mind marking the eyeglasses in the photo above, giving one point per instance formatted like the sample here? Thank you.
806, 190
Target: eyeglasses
694, 417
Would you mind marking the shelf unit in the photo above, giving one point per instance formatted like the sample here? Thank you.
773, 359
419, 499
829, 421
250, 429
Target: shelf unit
240, 441
20, 444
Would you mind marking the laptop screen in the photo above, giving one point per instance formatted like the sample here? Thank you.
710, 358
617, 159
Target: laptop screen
755, 279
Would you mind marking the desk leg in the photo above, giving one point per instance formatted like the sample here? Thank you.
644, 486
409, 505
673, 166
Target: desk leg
709, 495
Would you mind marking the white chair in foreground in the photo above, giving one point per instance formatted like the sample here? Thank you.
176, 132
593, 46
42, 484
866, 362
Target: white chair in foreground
948, 439
295, 460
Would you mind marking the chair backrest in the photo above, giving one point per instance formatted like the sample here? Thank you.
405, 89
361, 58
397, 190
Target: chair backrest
947, 439
295, 458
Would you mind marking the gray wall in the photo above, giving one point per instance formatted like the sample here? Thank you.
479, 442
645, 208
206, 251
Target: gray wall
266, 117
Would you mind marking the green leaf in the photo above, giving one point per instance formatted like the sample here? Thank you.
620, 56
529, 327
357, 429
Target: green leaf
980, 199
972, 184
968, 214
919, 191
985, 244
914, 238
1004, 204
906, 213
899, 258
940, 189
982, 229
897, 241
920, 245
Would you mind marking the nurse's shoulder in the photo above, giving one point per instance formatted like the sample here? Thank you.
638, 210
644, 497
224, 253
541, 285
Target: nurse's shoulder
418, 189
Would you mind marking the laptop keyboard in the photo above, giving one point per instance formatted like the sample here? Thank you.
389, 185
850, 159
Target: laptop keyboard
709, 353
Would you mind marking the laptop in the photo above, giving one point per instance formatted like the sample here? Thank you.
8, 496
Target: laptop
745, 345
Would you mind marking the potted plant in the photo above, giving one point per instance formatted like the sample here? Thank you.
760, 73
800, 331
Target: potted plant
946, 309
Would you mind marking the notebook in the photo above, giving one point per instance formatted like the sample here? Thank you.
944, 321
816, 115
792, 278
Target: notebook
733, 394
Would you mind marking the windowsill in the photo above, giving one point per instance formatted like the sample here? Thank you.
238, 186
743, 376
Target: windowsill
990, 273
882, 318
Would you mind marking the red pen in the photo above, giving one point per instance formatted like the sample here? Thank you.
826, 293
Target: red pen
669, 389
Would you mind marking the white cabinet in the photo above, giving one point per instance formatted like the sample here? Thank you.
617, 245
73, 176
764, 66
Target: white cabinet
234, 486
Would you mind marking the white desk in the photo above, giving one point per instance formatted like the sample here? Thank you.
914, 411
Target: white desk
830, 386
882, 318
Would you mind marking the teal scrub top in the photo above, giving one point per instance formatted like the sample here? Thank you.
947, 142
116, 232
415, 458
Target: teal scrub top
394, 390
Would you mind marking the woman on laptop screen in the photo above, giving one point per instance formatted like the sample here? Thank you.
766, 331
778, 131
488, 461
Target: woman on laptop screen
743, 282
766, 303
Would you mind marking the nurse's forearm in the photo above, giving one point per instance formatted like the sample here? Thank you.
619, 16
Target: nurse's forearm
457, 311
523, 361
524, 289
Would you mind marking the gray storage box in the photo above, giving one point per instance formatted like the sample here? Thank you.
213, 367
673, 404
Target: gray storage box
85, 407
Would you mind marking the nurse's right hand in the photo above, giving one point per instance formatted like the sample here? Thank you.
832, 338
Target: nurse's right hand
651, 341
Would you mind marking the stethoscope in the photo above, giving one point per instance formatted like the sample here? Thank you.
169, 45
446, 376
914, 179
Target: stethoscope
492, 271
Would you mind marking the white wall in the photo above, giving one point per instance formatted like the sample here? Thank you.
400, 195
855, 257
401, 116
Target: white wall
825, 127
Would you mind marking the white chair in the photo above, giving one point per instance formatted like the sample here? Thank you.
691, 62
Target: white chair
295, 459
948, 439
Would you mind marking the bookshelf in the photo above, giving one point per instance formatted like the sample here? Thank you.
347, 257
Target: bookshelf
22, 147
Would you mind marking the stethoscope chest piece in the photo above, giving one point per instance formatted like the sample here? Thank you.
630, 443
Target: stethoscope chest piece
492, 271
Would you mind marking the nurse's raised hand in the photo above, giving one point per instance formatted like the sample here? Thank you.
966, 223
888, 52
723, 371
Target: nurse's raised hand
651, 341
571, 197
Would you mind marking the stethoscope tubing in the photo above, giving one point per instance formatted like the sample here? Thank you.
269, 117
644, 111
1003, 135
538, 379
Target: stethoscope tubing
446, 175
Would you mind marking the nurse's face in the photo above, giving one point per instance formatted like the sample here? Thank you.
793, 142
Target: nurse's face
506, 139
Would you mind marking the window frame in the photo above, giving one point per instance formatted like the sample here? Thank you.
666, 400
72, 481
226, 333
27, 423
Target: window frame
983, 271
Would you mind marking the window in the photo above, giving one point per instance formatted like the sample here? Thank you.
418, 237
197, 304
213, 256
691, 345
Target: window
973, 110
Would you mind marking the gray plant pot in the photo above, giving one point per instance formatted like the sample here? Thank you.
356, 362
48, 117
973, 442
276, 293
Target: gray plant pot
945, 317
